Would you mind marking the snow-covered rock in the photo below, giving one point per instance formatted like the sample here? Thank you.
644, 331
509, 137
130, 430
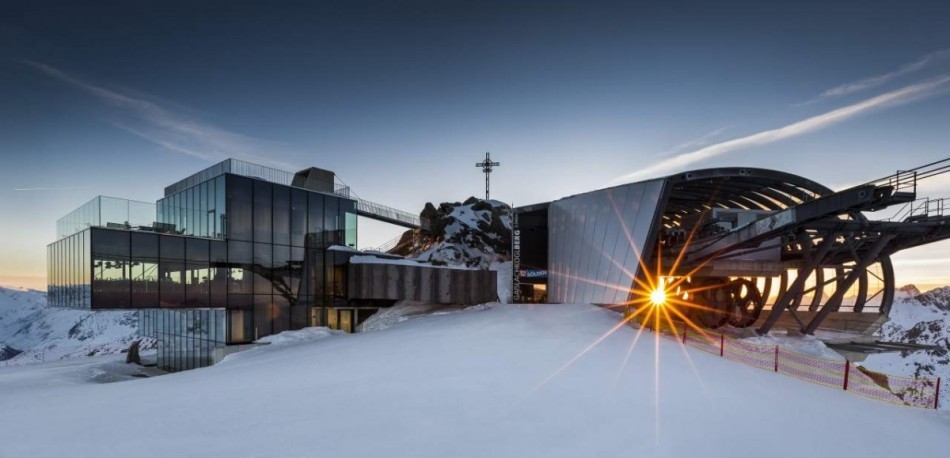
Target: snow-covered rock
30, 331
474, 233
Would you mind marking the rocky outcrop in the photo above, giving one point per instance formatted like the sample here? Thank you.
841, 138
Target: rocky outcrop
474, 233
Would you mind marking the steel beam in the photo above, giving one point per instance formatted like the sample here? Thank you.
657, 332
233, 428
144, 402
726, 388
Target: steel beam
858, 272
798, 285
773, 225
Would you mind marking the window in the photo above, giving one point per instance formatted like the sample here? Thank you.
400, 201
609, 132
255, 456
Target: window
111, 268
281, 213
295, 266
171, 278
197, 275
263, 313
220, 197
313, 266
263, 268
298, 216
263, 208
350, 229
280, 314
314, 237
331, 210
218, 273
240, 208
240, 260
172, 248
240, 326
144, 270
204, 192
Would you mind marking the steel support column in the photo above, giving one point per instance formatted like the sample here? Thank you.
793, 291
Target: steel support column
798, 285
856, 273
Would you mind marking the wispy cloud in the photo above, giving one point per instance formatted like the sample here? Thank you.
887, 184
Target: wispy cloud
697, 142
889, 99
877, 80
170, 128
51, 188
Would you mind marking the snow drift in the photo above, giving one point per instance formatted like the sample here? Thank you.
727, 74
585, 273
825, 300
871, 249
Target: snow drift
498, 381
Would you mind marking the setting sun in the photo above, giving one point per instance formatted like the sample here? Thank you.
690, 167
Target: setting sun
658, 295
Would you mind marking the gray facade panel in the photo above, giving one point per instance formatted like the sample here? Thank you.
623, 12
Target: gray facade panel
596, 241
426, 284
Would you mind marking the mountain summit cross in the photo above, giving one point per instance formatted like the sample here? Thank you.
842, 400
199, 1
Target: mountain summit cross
486, 166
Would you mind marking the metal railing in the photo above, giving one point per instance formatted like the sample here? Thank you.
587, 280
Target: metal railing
380, 211
904, 181
920, 208
238, 167
250, 170
389, 245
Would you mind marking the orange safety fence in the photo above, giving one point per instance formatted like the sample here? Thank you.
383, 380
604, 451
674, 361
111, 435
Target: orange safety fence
761, 356
826, 372
920, 392
707, 343
910, 391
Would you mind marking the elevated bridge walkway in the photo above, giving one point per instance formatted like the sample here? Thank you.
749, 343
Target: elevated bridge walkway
389, 215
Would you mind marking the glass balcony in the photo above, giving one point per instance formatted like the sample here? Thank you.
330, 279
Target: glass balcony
103, 211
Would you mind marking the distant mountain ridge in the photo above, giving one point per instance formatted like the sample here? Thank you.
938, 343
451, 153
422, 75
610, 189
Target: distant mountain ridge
921, 318
918, 318
938, 298
30, 331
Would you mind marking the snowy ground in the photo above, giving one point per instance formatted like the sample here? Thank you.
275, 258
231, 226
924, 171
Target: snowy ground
480, 382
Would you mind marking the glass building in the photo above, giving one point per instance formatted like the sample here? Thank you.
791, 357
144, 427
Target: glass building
233, 253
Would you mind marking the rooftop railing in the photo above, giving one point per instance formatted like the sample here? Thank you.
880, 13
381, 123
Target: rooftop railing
103, 211
247, 169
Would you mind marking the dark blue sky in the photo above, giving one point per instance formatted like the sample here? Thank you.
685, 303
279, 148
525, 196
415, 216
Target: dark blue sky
401, 98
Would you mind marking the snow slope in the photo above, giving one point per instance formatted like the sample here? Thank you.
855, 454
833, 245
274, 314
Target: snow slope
35, 332
480, 382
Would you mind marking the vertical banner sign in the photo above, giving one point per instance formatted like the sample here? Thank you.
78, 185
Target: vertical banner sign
515, 259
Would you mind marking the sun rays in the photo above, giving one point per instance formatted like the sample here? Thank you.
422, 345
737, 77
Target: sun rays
662, 299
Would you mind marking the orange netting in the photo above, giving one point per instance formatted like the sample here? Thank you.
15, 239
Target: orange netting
826, 372
917, 392
761, 356
708, 343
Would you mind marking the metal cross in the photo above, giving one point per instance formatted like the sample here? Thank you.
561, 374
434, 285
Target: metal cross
486, 166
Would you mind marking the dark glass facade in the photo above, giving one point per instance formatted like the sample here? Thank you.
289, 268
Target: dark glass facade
68, 271
245, 254
186, 338
198, 210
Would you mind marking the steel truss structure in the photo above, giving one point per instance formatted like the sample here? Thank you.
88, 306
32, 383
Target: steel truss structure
805, 250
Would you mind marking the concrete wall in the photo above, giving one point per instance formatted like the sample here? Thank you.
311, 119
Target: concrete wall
425, 284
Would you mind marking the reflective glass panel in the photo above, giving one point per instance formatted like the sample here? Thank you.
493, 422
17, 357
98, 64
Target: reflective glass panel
262, 212
281, 214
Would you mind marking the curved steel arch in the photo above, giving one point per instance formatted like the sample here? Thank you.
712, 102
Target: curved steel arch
770, 190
